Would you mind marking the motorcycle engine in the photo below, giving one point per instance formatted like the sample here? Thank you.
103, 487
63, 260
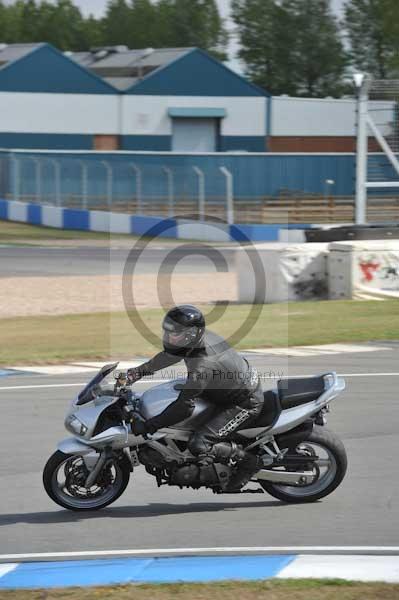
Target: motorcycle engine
186, 475
151, 458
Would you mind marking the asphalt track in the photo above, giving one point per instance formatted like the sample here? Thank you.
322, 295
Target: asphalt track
363, 511
52, 262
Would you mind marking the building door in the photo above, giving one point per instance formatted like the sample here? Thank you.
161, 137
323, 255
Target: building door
106, 142
194, 135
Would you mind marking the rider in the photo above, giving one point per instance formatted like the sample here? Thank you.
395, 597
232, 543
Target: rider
217, 373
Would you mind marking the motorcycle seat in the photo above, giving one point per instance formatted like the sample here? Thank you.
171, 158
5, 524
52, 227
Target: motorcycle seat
294, 392
270, 411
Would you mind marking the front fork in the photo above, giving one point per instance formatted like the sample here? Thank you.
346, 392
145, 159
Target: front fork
94, 461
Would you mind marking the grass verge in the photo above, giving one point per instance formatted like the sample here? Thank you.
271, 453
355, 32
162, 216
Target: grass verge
18, 234
11, 232
101, 335
257, 590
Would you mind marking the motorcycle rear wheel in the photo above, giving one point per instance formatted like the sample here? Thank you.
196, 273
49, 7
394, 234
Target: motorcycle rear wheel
320, 440
69, 492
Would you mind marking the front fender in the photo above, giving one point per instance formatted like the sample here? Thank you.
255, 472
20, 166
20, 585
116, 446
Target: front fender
73, 446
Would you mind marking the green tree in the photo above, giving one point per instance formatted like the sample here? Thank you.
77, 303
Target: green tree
319, 55
93, 32
12, 22
3, 21
29, 21
266, 34
134, 23
185, 23
372, 29
144, 24
373, 32
117, 23
292, 46
61, 24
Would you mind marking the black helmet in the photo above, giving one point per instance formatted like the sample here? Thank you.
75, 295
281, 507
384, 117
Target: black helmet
184, 329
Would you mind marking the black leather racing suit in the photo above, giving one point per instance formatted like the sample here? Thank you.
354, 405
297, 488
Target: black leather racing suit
218, 374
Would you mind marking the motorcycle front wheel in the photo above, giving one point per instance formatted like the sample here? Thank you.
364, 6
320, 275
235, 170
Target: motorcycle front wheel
64, 476
329, 469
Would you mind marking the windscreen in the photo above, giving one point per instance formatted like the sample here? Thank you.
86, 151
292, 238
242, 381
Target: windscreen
85, 395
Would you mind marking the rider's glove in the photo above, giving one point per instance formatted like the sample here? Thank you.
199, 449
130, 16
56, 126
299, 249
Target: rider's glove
133, 375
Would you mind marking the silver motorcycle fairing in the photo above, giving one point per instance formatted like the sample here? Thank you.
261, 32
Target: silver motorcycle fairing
73, 446
155, 400
89, 413
292, 417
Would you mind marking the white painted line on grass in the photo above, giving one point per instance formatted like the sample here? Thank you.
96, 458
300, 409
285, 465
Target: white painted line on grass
333, 550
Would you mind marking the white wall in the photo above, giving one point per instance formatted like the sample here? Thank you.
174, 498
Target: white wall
323, 117
59, 113
148, 115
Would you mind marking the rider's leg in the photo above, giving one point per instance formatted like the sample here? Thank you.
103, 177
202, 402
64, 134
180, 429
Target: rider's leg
207, 441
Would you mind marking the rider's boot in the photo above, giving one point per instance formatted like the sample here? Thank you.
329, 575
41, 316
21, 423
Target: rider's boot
247, 467
224, 451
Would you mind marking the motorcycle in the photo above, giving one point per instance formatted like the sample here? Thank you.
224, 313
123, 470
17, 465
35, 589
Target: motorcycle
301, 460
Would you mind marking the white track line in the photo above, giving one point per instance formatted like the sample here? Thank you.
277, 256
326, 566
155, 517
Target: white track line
309, 351
369, 374
376, 550
66, 385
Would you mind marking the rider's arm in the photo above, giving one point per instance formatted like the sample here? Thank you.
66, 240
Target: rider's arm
183, 406
159, 362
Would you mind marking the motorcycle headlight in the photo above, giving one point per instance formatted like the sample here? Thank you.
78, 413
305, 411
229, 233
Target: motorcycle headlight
73, 424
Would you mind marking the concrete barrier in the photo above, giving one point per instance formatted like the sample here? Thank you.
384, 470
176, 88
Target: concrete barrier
363, 269
291, 272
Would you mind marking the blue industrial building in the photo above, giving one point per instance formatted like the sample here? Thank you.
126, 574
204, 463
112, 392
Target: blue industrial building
180, 100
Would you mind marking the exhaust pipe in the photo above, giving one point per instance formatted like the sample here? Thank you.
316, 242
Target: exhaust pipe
285, 477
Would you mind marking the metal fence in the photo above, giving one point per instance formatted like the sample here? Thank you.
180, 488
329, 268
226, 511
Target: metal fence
93, 183
264, 188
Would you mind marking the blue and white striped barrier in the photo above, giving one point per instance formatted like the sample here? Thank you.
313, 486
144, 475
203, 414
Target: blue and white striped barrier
108, 222
196, 569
